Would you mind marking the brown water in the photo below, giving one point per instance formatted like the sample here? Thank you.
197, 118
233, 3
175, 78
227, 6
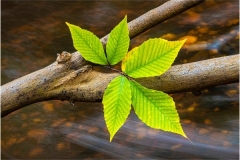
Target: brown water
33, 32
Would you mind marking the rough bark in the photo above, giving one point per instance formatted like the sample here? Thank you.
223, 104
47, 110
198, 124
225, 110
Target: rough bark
74, 79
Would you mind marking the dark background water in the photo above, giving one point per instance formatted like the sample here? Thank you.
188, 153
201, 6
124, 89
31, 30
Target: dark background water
33, 32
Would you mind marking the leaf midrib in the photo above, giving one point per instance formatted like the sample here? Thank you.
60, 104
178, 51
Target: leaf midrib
88, 43
115, 115
156, 107
115, 48
138, 68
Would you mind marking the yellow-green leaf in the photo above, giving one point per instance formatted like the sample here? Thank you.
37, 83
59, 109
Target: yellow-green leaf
156, 109
118, 42
88, 45
117, 104
152, 58
127, 57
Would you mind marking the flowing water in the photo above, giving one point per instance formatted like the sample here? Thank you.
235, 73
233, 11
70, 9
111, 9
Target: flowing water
33, 32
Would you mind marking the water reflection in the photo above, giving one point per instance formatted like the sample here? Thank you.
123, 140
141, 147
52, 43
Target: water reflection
79, 131
58, 130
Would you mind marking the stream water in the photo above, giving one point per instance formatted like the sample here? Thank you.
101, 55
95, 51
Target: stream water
33, 32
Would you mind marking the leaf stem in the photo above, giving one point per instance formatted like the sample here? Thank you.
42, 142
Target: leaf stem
120, 72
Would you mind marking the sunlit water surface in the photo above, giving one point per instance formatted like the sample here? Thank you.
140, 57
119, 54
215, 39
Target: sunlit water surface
34, 32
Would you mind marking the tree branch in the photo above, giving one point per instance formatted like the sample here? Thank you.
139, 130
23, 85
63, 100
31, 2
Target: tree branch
75, 79
157, 15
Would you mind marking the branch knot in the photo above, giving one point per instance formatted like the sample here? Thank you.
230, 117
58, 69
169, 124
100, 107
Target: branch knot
63, 57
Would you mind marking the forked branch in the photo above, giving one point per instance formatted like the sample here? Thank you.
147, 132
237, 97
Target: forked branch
74, 79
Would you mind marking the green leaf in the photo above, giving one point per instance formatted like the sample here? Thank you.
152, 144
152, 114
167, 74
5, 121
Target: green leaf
127, 57
117, 104
88, 45
156, 109
118, 42
152, 58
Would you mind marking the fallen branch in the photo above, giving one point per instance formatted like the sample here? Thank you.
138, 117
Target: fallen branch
72, 78
157, 15
76, 81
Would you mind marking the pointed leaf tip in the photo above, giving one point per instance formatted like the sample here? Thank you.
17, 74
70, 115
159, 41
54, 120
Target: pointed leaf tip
117, 104
88, 45
118, 42
156, 109
152, 58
